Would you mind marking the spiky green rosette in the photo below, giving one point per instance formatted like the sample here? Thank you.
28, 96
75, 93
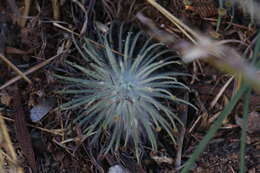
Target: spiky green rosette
124, 93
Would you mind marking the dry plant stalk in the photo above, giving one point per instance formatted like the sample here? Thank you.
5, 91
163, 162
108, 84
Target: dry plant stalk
31, 70
27, 4
251, 7
7, 145
15, 68
56, 9
1, 157
22, 134
188, 32
214, 52
59, 132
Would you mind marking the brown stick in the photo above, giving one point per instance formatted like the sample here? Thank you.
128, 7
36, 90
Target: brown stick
22, 75
56, 9
27, 4
22, 132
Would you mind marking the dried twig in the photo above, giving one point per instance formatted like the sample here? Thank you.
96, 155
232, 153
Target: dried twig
184, 28
59, 132
56, 9
214, 52
27, 5
22, 75
22, 133
78, 35
31, 70
222, 90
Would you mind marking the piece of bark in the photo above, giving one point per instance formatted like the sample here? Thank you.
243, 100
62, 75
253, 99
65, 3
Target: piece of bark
22, 133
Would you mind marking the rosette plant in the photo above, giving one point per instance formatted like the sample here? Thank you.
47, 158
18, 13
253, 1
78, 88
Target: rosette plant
124, 89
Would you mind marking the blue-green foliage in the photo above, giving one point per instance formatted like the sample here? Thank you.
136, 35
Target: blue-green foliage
124, 92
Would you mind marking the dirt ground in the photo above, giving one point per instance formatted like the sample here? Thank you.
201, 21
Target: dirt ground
38, 45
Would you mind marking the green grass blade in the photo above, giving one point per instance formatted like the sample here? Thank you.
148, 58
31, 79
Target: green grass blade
256, 51
242, 165
202, 145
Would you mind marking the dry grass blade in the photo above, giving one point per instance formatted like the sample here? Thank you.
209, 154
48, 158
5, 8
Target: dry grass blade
27, 4
65, 29
184, 28
59, 132
7, 145
216, 53
1, 160
78, 35
213, 103
221, 56
88, 17
31, 70
56, 9
22, 75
